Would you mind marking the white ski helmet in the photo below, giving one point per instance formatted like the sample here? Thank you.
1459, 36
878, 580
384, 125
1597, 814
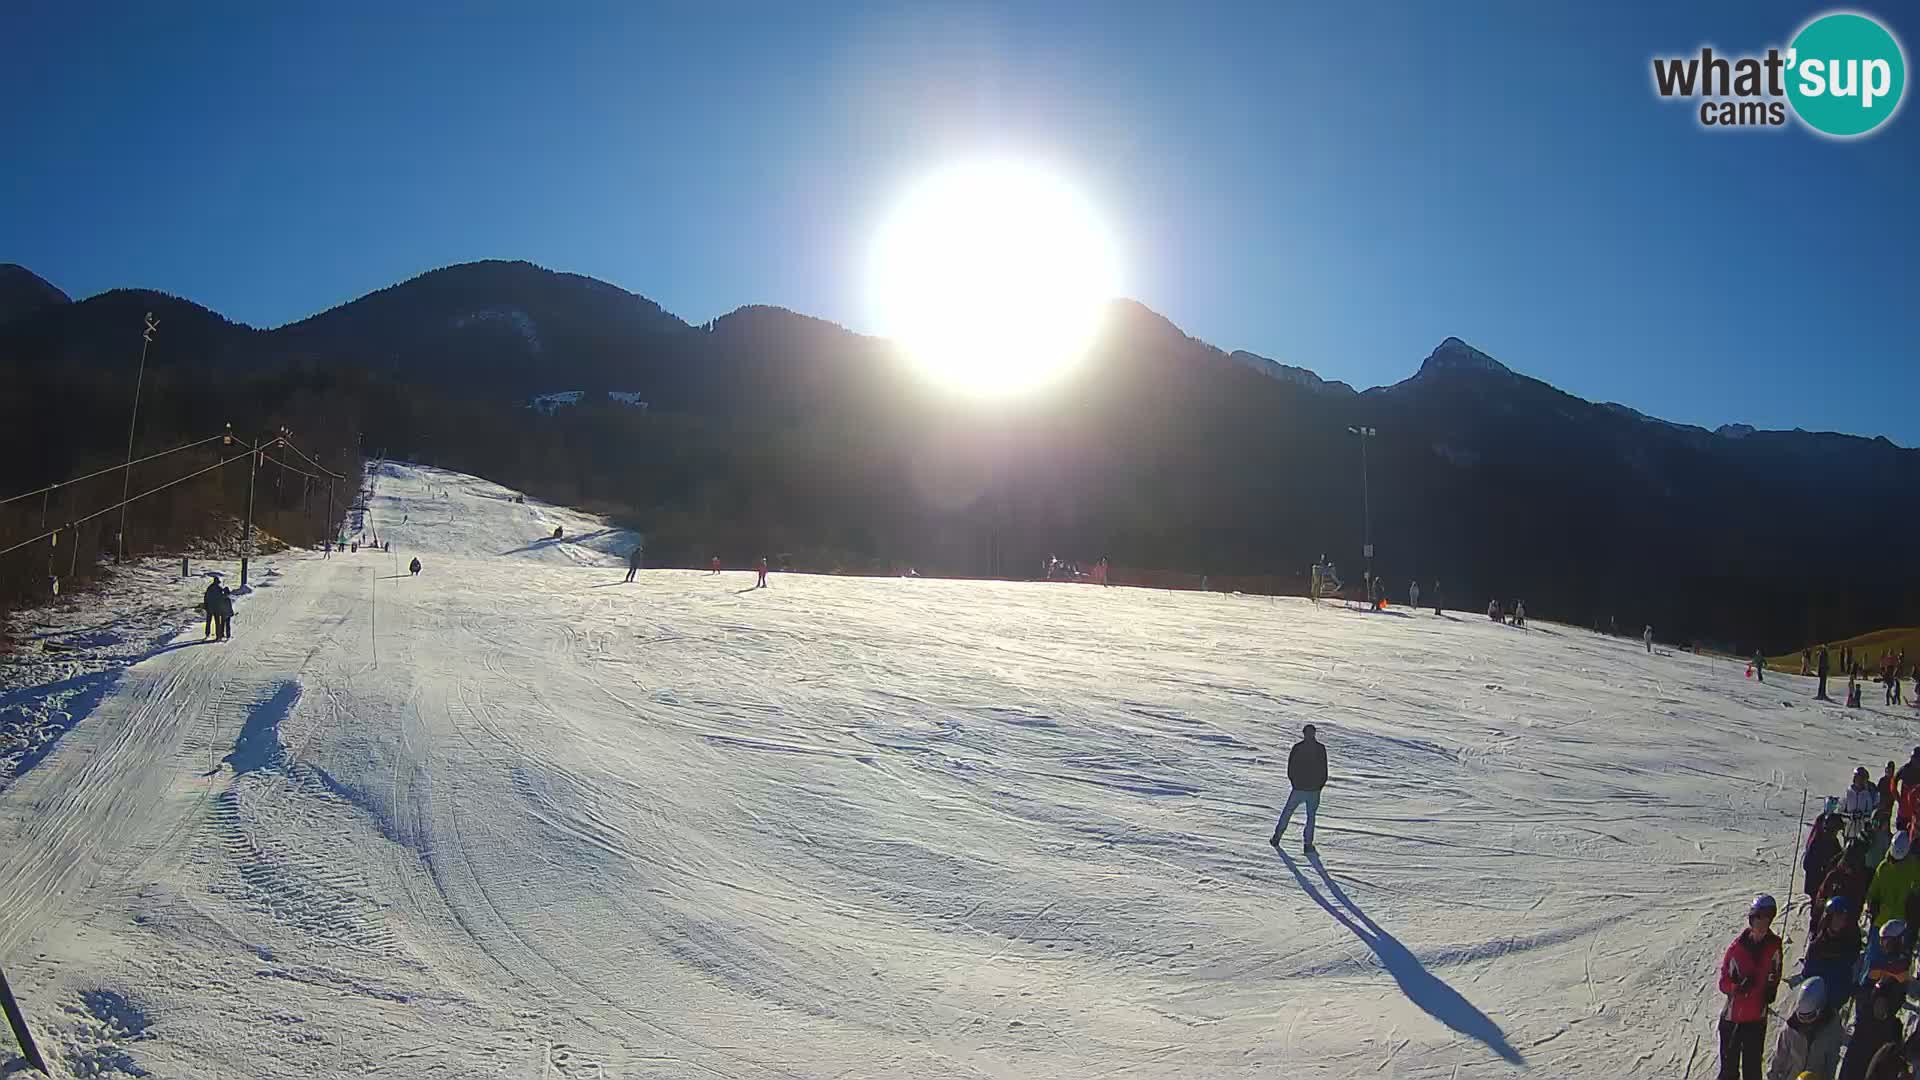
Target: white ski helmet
1902, 846
1813, 998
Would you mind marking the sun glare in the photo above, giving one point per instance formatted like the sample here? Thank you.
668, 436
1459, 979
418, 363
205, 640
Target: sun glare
994, 275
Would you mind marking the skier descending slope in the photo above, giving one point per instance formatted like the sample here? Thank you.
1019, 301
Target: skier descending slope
1810, 1039
1307, 772
1750, 977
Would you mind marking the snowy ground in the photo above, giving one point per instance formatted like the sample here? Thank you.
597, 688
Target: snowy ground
516, 818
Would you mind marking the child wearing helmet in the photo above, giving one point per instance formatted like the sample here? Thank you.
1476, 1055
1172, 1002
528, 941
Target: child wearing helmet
1750, 978
1811, 1038
1893, 959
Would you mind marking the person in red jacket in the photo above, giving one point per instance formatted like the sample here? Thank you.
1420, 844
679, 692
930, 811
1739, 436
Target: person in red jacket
762, 583
1750, 977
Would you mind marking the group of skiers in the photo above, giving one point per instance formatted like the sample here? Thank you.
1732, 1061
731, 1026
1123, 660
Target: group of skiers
1057, 569
1512, 616
1893, 668
1861, 861
1324, 583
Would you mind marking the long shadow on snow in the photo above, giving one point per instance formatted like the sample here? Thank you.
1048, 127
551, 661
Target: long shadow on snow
1422, 987
20, 731
258, 745
548, 541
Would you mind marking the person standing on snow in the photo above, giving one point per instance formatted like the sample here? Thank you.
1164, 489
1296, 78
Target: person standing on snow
1907, 783
1647, 636
633, 561
1759, 666
1858, 804
1413, 595
1750, 978
210, 603
1307, 772
1436, 596
762, 583
1809, 1042
413, 567
1889, 955
1806, 662
1896, 883
1876, 1023
1849, 879
223, 613
1833, 950
1823, 850
1821, 670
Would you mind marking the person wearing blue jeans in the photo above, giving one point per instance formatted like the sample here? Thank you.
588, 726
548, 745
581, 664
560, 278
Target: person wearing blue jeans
1307, 772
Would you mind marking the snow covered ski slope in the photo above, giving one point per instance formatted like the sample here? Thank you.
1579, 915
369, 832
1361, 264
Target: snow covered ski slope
516, 818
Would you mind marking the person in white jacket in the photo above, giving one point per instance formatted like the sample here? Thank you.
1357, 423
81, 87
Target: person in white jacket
1809, 1042
1413, 596
1858, 804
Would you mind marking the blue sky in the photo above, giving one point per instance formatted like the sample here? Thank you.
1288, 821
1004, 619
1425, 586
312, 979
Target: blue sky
1338, 186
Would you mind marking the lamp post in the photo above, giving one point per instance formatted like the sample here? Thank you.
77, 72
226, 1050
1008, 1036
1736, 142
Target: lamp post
1366, 496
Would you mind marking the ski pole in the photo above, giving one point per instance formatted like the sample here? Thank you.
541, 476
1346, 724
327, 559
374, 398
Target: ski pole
1797, 834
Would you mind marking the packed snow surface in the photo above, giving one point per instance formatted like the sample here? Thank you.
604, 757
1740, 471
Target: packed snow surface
515, 817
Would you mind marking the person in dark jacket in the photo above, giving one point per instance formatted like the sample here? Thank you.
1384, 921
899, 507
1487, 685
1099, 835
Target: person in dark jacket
221, 605
1307, 772
1823, 850
1910, 772
1849, 878
633, 561
1834, 947
1876, 1024
1821, 671
210, 603
413, 567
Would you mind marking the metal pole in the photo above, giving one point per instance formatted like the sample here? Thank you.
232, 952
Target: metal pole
1366, 502
19, 1024
1787, 904
126, 474
253, 469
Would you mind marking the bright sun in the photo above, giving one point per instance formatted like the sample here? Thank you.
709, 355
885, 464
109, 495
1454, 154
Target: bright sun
993, 274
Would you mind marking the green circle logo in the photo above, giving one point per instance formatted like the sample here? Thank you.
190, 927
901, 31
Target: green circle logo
1846, 74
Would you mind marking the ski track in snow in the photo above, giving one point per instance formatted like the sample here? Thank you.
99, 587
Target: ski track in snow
517, 818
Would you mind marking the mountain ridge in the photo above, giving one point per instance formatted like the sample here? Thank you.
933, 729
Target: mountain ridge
1451, 355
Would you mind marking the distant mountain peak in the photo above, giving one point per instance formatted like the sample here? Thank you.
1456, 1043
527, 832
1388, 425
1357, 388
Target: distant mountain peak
1456, 355
23, 292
